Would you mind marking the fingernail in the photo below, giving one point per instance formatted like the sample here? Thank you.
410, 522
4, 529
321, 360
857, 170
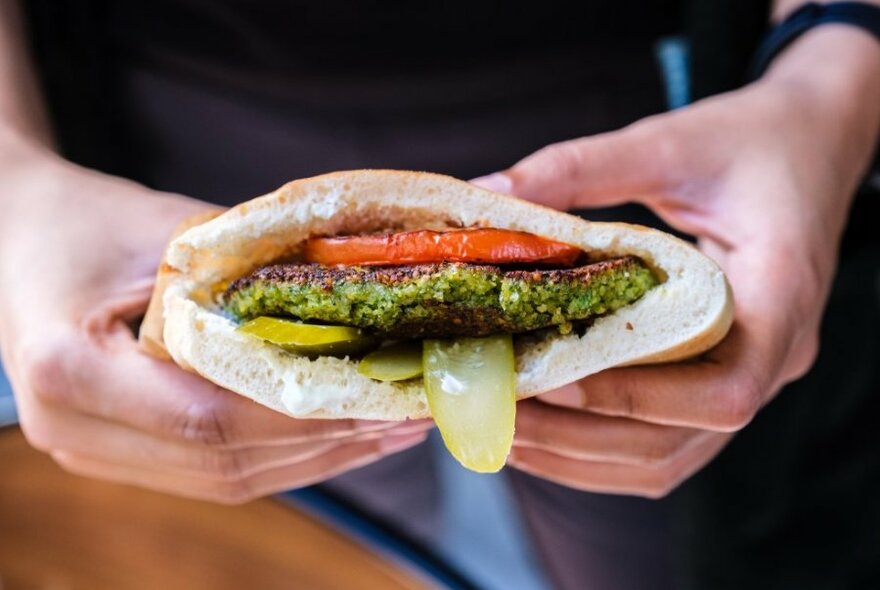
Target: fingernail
390, 444
498, 182
570, 396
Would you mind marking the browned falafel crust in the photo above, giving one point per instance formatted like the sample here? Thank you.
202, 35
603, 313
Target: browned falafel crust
439, 300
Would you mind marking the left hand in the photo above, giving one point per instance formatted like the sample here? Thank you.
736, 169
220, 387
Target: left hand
763, 178
81, 249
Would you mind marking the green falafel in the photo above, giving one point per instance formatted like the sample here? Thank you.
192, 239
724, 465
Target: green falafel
439, 300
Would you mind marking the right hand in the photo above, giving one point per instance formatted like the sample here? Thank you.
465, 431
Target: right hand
77, 266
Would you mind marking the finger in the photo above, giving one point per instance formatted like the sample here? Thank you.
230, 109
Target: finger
80, 434
581, 435
616, 479
345, 457
606, 169
721, 391
157, 397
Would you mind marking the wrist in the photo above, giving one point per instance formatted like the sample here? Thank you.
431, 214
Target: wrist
24, 165
832, 73
839, 58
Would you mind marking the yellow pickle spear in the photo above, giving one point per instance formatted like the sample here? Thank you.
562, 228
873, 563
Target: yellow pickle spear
397, 362
471, 387
309, 339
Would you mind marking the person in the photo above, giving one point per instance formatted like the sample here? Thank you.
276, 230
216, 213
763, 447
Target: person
224, 101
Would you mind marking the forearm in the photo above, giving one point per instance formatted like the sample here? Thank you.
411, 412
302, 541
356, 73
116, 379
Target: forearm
25, 136
28, 162
834, 70
23, 117
828, 88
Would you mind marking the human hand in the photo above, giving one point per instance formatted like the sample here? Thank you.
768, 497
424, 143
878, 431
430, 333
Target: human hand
77, 266
763, 178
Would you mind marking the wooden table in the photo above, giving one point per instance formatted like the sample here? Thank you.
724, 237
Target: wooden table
59, 531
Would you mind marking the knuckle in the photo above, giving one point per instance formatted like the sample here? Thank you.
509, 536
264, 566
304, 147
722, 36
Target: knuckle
560, 160
740, 402
38, 436
654, 131
50, 370
206, 423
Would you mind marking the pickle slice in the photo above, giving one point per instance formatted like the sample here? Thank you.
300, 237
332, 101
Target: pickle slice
309, 339
397, 362
471, 387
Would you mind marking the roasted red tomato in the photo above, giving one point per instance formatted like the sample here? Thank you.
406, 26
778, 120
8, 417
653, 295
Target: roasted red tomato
476, 245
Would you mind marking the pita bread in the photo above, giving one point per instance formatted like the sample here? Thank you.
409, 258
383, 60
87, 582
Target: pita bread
687, 314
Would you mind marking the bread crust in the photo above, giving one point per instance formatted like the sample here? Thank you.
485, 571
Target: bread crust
150, 336
686, 315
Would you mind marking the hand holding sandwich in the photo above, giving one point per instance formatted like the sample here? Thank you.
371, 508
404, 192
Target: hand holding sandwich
763, 177
81, 249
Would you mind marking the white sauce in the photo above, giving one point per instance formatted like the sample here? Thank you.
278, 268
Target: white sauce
297, 398
302, 398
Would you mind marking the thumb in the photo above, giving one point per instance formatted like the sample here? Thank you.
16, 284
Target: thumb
607, 169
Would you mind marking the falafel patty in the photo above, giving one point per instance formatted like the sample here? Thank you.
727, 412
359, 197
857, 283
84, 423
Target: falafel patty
439, 300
